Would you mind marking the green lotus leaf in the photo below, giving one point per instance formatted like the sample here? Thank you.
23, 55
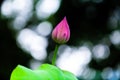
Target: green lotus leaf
23, 73
44, 72
53, 71
69, 76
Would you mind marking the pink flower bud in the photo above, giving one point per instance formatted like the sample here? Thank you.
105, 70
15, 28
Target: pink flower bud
61, 33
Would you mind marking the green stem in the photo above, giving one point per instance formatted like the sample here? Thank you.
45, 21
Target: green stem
55, 54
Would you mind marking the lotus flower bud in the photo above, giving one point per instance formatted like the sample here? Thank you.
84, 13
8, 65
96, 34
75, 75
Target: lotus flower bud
61, 33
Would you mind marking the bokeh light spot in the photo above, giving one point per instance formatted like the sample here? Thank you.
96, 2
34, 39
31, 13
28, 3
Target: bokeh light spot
88, 74
13, 8
32, 43
109, 74
115, 37
34, 64
45, 8
101, 51
44, 28
6, 8
73, 58
114, 20
18, 11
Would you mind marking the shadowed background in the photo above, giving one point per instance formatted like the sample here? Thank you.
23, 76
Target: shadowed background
93, 51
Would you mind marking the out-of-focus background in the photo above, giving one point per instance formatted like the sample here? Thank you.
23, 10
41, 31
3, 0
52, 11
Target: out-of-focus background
93, 51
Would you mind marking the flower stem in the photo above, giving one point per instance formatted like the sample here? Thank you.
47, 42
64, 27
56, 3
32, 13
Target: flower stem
55, 54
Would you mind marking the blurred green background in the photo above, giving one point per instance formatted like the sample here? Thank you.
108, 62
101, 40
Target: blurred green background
93, 51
